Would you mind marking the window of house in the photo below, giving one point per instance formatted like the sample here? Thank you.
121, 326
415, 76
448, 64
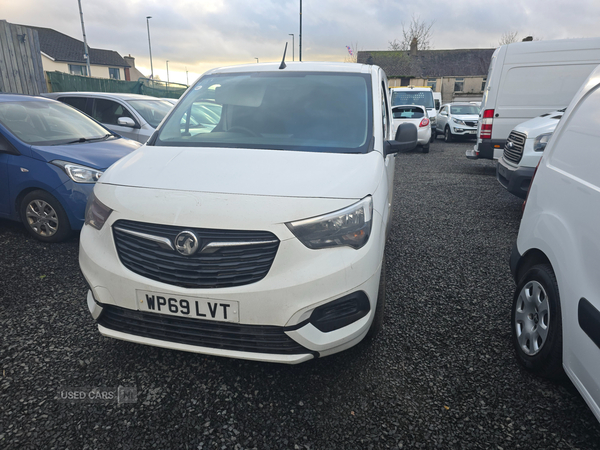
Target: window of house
459, 84
76, 69
113, 72
483, 84
405, 81
432, 83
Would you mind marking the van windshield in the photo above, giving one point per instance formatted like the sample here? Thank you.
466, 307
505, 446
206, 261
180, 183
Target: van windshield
410, 97
305, 111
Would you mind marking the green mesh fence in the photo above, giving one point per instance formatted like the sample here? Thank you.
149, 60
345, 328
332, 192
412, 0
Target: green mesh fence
64, 82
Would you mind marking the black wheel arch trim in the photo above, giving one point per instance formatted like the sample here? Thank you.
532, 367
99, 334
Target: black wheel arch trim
589, 320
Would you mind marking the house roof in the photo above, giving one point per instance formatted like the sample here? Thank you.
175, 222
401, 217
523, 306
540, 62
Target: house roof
61, 47
430, 63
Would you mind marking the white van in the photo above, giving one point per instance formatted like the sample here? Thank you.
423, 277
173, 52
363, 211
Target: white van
556, 305
526, 79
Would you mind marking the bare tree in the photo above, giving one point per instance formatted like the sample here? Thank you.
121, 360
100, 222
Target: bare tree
416, 29
508, 38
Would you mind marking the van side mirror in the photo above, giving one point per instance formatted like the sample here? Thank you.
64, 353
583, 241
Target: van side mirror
405, 140
126, 122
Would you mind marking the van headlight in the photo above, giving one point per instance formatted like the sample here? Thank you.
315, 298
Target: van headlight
540, 142
96, 212
79, 173
350, 227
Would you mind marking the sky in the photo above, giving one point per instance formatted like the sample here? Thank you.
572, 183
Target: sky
198, 35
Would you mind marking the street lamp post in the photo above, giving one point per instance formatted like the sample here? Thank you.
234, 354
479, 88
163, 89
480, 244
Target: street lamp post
167, 71
86, 49
150, 46
300, 45
292, 35
256, 60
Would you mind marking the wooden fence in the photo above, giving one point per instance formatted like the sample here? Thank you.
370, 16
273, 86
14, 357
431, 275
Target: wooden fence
21, 70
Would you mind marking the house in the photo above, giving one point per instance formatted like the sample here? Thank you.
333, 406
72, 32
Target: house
66, 54
459, 75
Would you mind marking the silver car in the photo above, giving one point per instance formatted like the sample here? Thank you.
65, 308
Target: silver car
133, 116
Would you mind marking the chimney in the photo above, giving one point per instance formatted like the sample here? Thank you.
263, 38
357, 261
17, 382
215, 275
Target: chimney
413, 47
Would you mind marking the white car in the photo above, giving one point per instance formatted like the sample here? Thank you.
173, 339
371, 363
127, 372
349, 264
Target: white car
457, 120
262, 238
523, 151
556, 306
416, 115
132, 116
412, 95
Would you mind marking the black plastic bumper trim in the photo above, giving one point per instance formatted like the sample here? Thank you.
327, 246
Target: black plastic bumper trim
589, 320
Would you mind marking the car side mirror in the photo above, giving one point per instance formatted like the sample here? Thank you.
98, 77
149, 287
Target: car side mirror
405, 140
126, 122
444, 113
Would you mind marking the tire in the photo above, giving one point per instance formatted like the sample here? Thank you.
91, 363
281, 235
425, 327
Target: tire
425, 148
377, 324
432, 138
537, 323
44, 217
448, 135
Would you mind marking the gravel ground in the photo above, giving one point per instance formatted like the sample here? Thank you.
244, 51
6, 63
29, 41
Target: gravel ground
441, 375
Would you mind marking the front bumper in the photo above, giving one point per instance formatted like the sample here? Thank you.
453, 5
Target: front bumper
299, 281
514, 179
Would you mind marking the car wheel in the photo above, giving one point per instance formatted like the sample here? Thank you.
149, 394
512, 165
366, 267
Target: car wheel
537, 323
377, 323
44, 217
432, 138
425, 148
447, 135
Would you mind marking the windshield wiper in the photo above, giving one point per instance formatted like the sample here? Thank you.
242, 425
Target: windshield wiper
83, 139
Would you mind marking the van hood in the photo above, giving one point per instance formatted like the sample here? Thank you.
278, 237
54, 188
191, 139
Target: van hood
546, 123
279, 173
97, 155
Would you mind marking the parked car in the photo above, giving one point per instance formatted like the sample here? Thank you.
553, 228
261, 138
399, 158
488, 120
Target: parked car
130, 115
50, 157
457, 120
411, 95
416, 115
556, 307
523, 151
263, 238
526, 79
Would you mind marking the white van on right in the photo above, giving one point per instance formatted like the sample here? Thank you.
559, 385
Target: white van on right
555, 262
526, 79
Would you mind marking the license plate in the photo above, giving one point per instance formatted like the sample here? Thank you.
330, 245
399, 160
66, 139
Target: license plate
194, 307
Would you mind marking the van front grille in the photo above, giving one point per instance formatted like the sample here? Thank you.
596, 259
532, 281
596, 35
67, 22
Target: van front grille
513, 149
225, 258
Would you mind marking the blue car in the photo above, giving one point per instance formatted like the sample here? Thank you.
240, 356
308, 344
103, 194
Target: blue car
50, 157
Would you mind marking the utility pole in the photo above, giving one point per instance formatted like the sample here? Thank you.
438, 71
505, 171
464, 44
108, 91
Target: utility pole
300, 46
256, 60
86, 50
187, 80
150, 47
292, 35
167, 71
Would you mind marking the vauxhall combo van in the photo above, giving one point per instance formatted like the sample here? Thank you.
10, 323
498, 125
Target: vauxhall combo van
253, 222
556, 305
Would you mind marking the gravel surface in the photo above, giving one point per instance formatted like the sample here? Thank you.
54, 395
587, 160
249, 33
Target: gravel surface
441, 374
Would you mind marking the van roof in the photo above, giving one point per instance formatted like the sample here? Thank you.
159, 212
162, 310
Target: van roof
297, 67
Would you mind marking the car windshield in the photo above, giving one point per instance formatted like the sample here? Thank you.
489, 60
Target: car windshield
410, 97
49, 123
304, 111
153, 111
407, 112
464, 109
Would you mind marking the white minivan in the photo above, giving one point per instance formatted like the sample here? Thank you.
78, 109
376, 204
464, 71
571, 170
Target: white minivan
556, 307
526, 79
261, 235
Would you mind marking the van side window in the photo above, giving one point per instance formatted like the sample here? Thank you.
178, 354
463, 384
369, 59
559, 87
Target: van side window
576, 150
75, 102
108, 112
